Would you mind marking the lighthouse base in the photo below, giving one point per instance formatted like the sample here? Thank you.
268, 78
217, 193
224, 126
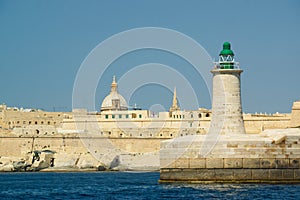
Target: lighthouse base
270, 157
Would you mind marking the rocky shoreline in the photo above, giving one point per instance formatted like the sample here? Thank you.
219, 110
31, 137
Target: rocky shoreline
21, 166
43, 161
43, 165
69, 152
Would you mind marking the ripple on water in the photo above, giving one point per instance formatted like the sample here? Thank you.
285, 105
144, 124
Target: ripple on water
122, 185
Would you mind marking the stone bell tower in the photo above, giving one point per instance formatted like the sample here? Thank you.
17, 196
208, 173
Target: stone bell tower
227, 115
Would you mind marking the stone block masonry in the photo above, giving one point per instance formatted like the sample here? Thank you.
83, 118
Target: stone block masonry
231, 175
271, 157
240, 170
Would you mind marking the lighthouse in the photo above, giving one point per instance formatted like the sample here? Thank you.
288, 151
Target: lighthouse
227, 118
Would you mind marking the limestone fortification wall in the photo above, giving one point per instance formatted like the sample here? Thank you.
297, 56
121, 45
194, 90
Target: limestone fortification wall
256, 123
15, 117
73, 152
134, 144
184, 121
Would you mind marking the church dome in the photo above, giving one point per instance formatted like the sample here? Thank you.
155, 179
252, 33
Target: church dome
114, 101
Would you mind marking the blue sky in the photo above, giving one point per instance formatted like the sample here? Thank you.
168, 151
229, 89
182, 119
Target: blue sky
43, 43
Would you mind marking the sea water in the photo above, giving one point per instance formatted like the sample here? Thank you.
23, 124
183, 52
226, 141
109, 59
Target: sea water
129, 185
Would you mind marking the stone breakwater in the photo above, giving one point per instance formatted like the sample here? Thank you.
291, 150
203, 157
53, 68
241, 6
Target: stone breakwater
272, 157
69, 152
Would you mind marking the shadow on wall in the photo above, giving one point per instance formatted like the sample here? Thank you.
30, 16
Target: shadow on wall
115, 162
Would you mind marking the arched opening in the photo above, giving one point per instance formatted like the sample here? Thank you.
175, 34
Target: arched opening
52, 162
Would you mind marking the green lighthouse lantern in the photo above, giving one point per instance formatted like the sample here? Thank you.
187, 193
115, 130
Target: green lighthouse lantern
226, 57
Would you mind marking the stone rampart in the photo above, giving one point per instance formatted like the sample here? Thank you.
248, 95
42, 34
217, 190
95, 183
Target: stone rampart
73, 152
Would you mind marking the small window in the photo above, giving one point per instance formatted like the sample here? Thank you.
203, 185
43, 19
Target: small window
42, 122
171, 134
120, 116
18, 122
35, 122
140, 116
127, 116
48, 123
29, 122
183, 116
207, 115
106, 116
192, 115
160, 134
113, 116
199, 115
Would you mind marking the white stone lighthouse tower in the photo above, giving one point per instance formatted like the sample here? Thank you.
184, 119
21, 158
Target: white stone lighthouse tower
227, 115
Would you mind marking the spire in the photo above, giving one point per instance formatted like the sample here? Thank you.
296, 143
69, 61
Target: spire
175, 103
175, 98
114, 85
